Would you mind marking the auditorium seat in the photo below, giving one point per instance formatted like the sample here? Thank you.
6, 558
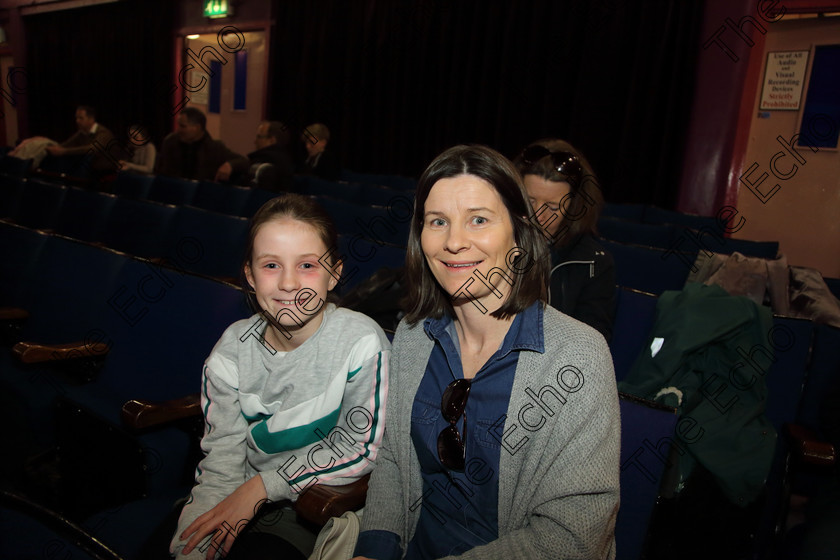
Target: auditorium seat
207, 243
83, 214
649, 235
375, 195
314, 186
132, 185
632, 212
39, 205
382, 225
10, 189
649, 269
14, 167
655, 215
256, 200
363, 257
138, 227
393, 181
647, 431
634, 317
172, 190
225, 199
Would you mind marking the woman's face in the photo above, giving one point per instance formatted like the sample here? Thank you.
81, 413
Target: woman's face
467, 233
547, 199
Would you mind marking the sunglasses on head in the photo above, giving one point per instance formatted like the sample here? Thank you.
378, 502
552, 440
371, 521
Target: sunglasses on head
450, 444
565, 163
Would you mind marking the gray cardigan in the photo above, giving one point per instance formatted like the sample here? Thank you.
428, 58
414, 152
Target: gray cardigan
560, 442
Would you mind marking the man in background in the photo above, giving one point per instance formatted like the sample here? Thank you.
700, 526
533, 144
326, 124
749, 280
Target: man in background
271, 165
191, 153
319, 161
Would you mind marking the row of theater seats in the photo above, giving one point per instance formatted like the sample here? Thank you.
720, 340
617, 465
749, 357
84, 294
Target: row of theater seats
157, 325
196, 239
141, 331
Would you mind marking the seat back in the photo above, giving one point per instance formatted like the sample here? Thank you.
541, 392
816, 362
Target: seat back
172, 190
225, 199
20, 248
207, 242
132, 185
649, 269
40, 203
631, 212
623, 231
635, 314
647, 431
655, 215
83, 214
138, 227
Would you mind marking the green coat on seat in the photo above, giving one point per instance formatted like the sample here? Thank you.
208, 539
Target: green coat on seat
707, 355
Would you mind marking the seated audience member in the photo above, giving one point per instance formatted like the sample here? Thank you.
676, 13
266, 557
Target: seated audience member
144, 151
567, 201
455, 475
271, 165
90, 136
191, 153
320, 161
276, 388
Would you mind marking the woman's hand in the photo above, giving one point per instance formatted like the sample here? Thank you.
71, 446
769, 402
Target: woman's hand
231, 515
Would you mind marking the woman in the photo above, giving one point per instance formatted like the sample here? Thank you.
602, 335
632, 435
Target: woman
567, 200
503, 435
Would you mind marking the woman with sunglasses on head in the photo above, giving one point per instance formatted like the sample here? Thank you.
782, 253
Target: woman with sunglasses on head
567, 202
503, 440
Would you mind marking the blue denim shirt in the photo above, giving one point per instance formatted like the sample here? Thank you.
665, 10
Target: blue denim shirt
460, 510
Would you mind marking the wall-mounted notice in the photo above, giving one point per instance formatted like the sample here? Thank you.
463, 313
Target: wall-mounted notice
784, 76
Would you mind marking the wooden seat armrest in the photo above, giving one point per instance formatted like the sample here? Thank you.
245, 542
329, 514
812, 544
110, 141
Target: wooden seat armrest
13, 314
34, 353
809, 448
139, 414
320, 502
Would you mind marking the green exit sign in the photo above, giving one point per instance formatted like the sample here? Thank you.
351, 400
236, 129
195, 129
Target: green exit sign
217, 8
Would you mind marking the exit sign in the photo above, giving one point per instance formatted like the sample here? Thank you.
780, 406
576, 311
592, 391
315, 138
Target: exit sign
217, 8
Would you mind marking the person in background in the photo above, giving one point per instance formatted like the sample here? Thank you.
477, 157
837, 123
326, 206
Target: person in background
89, 136
470, 466
567, 201
271, 165
144, 151
320, 160
191, 153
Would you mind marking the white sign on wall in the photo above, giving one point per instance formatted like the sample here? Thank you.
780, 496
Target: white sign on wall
784, 76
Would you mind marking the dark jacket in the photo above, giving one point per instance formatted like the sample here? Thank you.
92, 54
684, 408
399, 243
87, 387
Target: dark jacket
105, 154
708, 355
210, 155
279, 175
327, 166
582, 283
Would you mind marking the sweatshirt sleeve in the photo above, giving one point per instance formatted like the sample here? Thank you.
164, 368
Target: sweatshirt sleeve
224, 443
346, 452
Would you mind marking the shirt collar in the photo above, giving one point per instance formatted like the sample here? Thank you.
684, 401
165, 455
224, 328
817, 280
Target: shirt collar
525, 333
93, 128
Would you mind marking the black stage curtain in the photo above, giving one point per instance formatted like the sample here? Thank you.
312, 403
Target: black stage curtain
115, 57
399, 81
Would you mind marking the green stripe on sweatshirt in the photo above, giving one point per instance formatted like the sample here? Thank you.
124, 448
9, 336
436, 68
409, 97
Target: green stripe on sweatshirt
293, 438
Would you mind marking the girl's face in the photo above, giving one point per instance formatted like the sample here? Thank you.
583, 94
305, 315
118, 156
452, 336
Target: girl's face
548, 200
467, 233
289, 281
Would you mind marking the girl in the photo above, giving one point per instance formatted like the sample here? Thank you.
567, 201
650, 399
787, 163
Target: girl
292, 397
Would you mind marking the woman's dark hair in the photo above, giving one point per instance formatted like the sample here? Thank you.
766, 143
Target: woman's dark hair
583, 206
293, 207
529, 268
